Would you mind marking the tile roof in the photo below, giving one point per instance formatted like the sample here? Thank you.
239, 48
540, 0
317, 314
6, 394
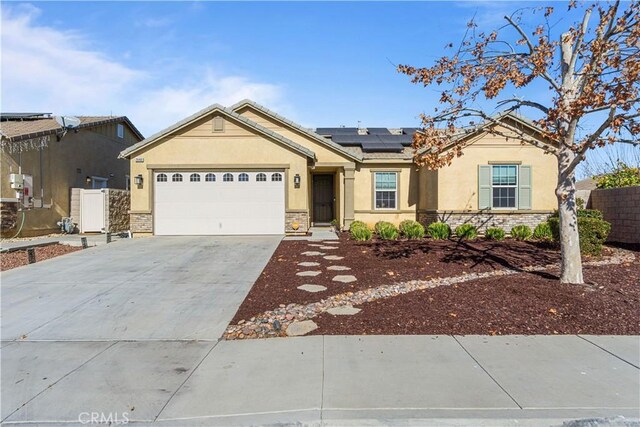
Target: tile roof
16, 130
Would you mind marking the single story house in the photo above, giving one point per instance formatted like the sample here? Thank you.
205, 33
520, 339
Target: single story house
55, 159
247, 170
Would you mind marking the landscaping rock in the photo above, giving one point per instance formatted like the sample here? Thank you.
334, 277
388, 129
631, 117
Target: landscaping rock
297, 329
345, 310
333, 257
312, 288
308, 264
345, 278
338, 268
312, 253
308, 273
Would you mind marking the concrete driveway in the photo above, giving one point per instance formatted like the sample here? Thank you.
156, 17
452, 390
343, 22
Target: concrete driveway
151, 308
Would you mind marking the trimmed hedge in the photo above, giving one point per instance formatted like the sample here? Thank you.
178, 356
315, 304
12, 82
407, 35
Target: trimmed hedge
386, 230
439, 230
593, 233
494, 233
521, 232
466, 232
412, 229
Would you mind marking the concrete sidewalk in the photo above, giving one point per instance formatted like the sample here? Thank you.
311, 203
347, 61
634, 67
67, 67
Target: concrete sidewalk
331, 380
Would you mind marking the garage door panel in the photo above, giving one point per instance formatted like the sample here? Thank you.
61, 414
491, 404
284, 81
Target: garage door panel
219, 208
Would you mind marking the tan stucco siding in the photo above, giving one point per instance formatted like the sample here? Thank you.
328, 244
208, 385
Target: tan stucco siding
65, 164
407, 198
237, 147
323, 153
457, 184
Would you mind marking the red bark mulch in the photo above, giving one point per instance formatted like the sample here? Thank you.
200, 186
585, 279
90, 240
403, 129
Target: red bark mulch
9, 260
526, 303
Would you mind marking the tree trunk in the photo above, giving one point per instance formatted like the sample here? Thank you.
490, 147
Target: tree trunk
571, 264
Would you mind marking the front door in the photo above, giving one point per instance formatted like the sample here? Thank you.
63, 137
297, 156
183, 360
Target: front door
323, 198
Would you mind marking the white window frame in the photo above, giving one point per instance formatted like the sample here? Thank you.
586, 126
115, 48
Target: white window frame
376, 190
515, 186
120, 130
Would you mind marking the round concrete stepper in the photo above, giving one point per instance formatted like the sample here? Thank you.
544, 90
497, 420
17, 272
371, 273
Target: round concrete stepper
338, 268
297, 329
308, 264
345, 278
312, 288
333, 257
331, 242
308, 273
328, 247
345, 310
312, 253
315, 245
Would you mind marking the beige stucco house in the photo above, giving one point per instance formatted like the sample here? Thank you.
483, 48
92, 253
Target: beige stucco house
58, 159
247, 170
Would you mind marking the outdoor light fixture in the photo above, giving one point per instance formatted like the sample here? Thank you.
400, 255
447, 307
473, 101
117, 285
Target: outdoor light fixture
88, 180
138, 180
296, 181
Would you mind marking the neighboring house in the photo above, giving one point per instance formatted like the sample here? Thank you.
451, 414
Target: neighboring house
248, 170
58, 159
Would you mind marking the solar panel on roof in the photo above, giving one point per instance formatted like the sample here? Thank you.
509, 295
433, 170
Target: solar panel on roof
381, 147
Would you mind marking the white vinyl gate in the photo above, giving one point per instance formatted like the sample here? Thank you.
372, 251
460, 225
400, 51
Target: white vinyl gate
219, 203
92, 207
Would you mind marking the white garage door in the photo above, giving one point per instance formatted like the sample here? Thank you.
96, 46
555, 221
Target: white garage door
219, 203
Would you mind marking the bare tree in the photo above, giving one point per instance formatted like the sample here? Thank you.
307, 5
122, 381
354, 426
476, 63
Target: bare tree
592, 73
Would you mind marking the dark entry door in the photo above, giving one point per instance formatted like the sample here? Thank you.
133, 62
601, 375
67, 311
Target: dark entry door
323, 199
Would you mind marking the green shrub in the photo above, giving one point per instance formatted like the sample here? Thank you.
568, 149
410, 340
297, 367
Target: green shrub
521, 232
466, 232
360, 232
356, 224
622, 176
593, 233
542, 231
412, 229
494, 233
439, 230
387, 231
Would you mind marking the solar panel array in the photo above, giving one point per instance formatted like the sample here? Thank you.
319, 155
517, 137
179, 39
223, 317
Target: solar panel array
375, 140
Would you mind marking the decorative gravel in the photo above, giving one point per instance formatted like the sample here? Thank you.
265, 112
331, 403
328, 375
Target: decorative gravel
9, 260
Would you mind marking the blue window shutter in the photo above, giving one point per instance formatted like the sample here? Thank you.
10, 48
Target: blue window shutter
524, 187
484, 187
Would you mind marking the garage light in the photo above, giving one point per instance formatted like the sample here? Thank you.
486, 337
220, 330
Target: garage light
296, 181
138, 180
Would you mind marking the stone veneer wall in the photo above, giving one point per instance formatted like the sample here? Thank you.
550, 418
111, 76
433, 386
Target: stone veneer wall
301, 217
141, 222
484, 219
621, 207
8, 216
118, 203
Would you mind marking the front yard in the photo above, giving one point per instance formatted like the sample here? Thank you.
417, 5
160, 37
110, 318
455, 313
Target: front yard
437, 287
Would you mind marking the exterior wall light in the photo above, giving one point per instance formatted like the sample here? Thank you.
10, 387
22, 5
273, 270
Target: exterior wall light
296, 181
138, 180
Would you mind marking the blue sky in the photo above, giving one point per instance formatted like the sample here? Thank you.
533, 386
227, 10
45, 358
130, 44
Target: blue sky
320, 64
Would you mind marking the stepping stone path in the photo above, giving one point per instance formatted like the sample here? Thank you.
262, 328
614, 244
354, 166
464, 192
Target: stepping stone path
308, 264
328, 247
345, 310
338, 268
333, 257
331, 242
297, 329
315, 245
312, 253
345, 279
308, 273
312, 288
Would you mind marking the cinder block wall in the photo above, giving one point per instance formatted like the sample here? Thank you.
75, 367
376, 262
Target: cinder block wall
621, 207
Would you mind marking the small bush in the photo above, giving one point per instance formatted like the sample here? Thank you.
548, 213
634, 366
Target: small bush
356, 224
622, 176
494, 233
542, 231
466, 231
412, 229
387, 231
360, 232
521, 232
592, 232
439, 230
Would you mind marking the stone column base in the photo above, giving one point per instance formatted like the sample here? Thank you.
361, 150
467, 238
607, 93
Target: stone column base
141, 222
301, 218
485, 219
